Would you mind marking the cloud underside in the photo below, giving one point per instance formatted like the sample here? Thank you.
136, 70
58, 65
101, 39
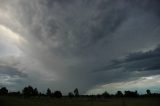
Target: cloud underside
139, 61
67, 44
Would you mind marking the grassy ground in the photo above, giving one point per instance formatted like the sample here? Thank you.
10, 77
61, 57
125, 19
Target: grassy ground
44, 101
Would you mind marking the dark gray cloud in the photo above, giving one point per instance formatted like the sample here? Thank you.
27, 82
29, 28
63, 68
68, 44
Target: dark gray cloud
65, 41
11, 71
140, 61
11, 75
67, 25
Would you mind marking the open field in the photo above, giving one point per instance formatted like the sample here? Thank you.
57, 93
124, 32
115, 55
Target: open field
45, 101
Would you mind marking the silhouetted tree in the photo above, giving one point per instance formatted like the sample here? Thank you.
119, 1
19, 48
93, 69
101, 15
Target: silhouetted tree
70, 94
49, 93
131, 94
14, 93
105, 94
35, 92
28, 91
148, 92
3, 91
119, 94
57, 94
98, 95
41, 94
76, 92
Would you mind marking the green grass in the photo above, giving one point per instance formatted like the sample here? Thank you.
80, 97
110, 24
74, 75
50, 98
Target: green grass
45, 101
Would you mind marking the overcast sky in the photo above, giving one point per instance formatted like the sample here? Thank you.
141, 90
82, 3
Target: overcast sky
93, 45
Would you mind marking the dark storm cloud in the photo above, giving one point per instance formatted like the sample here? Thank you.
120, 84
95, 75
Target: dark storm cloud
9, 66
68, 39
11, 71
73, 26
11, 75
140, 61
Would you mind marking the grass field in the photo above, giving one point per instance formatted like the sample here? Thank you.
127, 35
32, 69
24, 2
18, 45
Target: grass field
44, 101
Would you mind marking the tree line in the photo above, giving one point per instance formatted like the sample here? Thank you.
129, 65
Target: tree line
30, 91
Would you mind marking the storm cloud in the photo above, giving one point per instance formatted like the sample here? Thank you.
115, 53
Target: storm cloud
64, 44
139, 61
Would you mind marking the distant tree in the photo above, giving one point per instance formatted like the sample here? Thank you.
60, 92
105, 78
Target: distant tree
105, 94
98, 95
41, 94
136, 93
57, 94
25, 91
49, 93
35, 92
28, 91
119, 94
70, 94
131, 94
14, 93
76, 92
3, 91
148, 92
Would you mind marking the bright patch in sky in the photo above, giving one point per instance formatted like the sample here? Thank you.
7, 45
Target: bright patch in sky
141, 84
9, 35
10, 42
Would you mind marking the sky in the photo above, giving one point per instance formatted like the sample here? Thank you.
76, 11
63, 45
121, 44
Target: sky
92, 45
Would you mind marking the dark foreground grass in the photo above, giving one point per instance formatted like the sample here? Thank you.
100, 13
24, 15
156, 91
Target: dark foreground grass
45, 101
